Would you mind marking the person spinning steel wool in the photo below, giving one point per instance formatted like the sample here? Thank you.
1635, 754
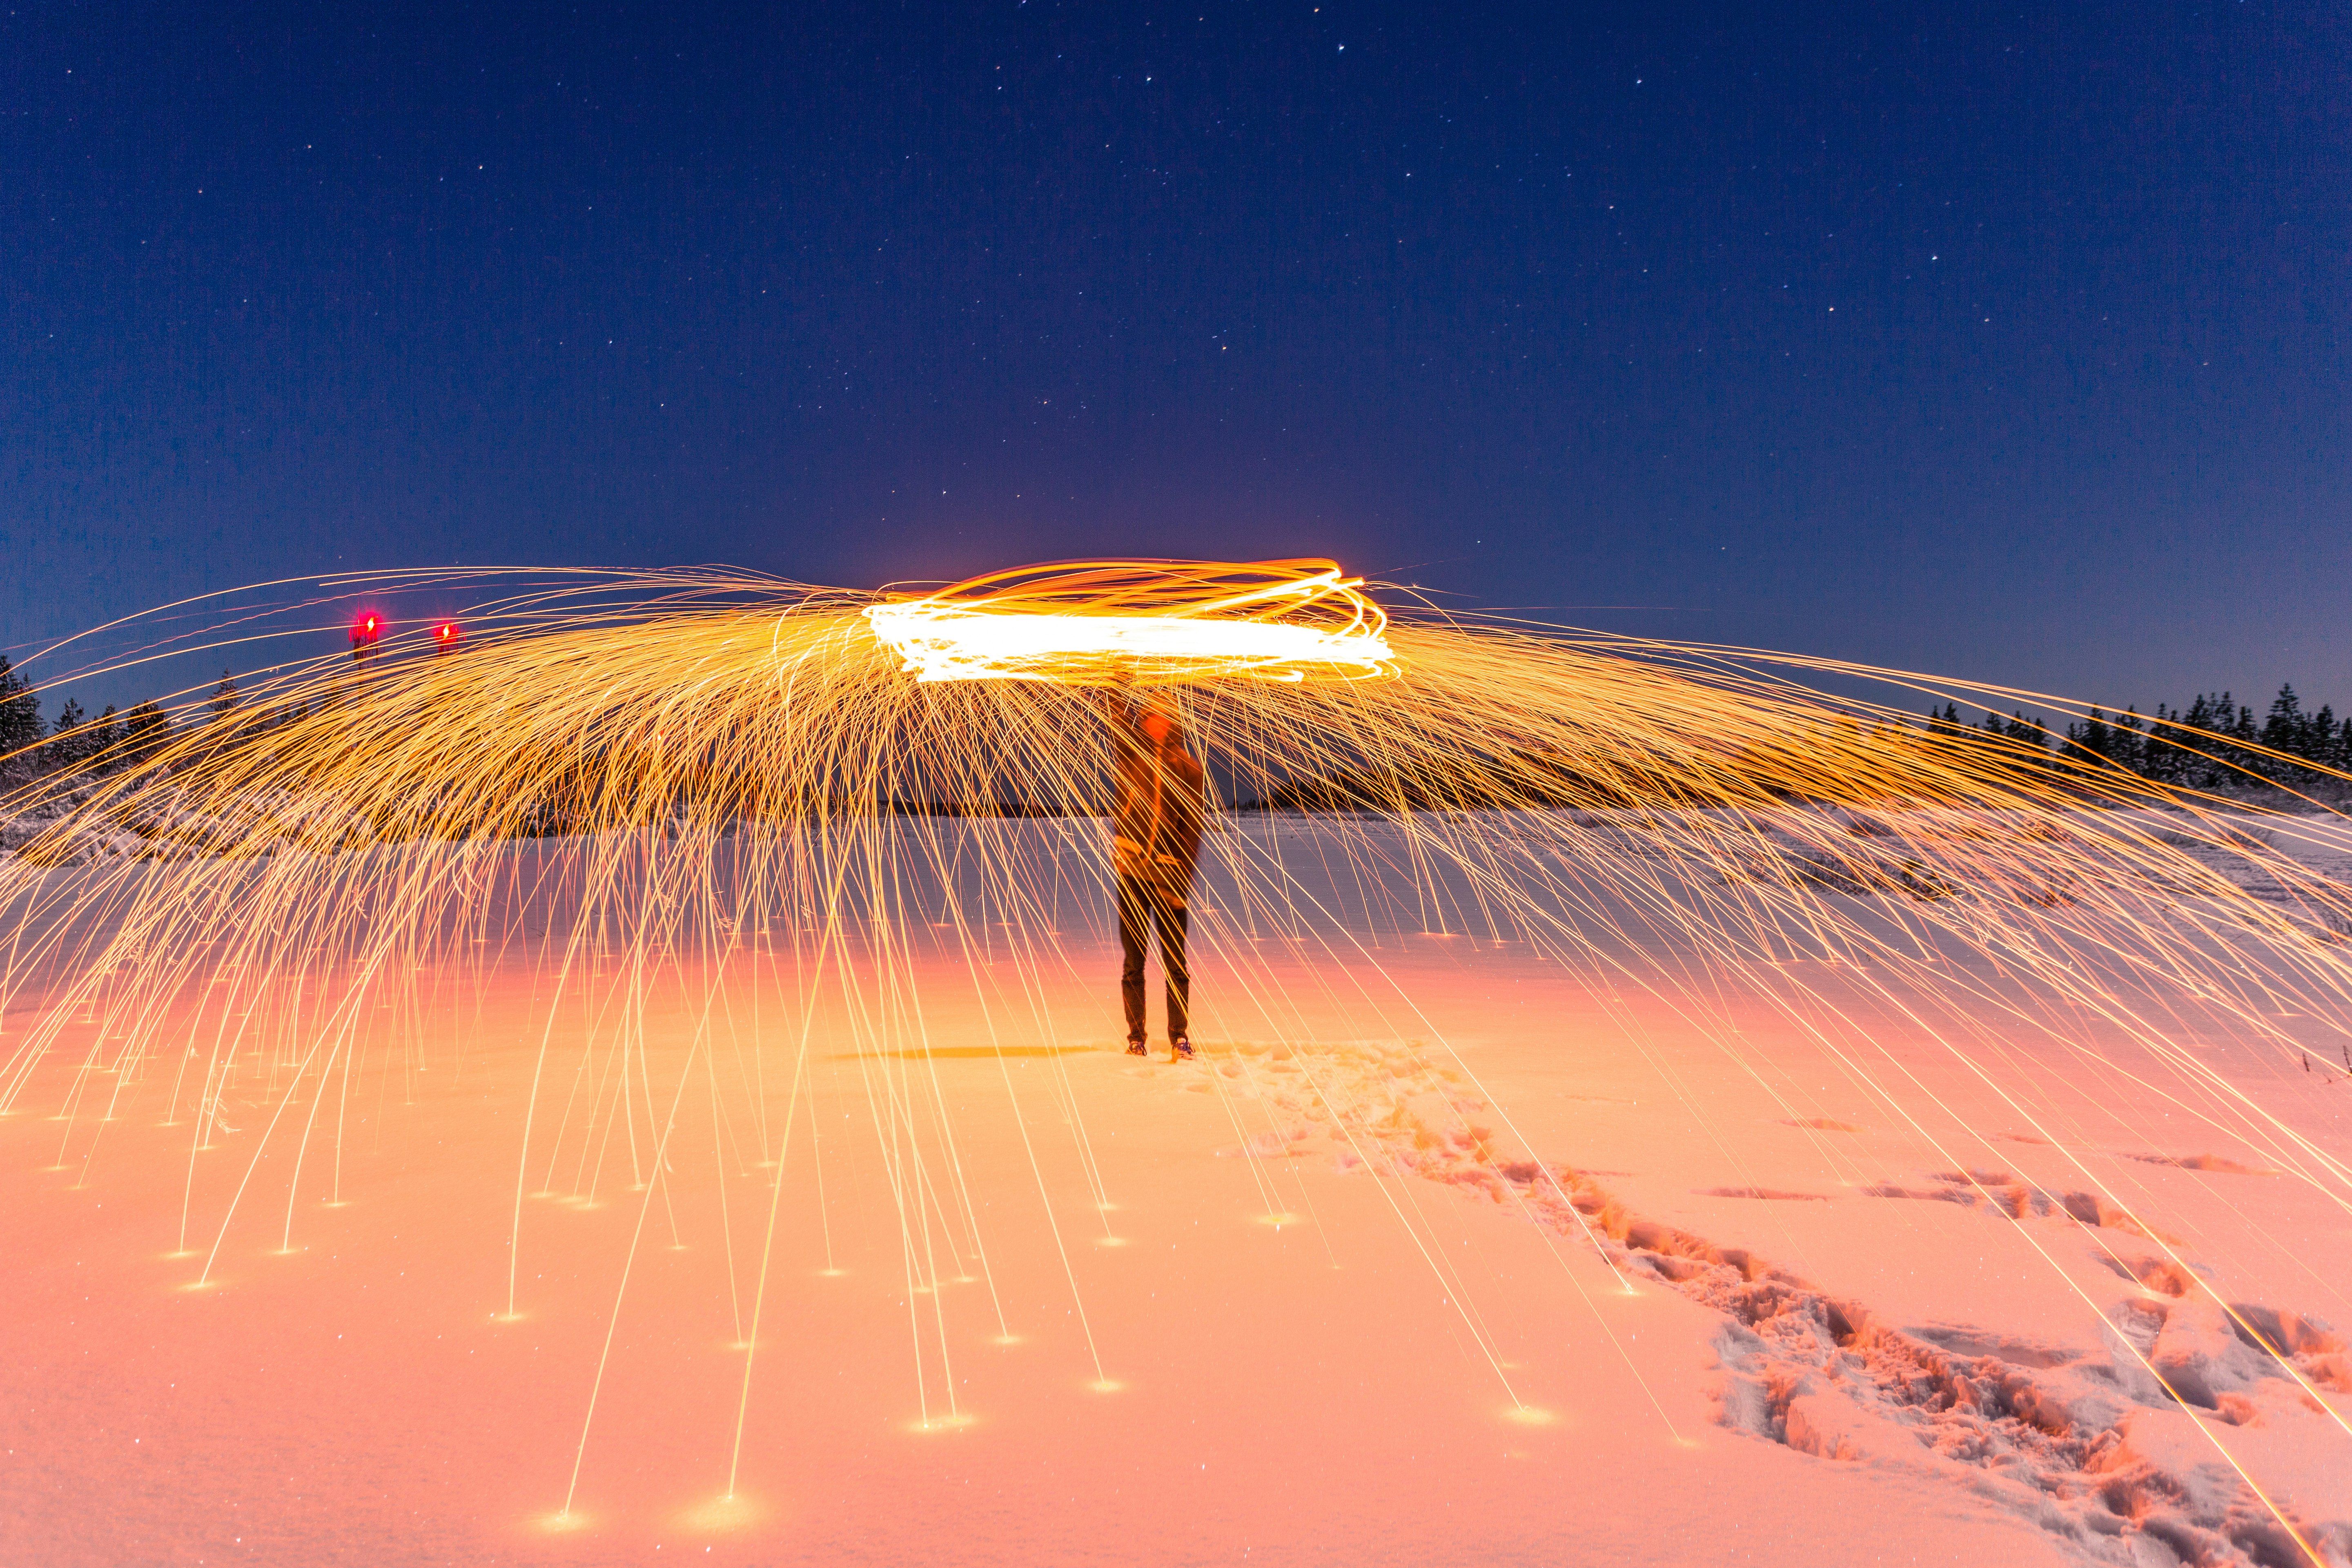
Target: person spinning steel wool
1156, 817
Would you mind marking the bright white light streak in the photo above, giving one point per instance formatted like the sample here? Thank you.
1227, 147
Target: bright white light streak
946, 642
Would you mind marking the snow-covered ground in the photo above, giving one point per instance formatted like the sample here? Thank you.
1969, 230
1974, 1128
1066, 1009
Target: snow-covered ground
1445, 1251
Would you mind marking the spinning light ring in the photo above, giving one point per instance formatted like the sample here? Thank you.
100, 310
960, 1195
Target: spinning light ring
1095, 623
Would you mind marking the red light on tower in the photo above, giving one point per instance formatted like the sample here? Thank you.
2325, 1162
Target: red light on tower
364, 633
445, 635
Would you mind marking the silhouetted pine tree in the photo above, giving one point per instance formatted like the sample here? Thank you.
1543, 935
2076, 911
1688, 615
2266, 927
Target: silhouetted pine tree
104, 736
145, 729
2155, 756
20, 714
2017, 733
2242, 730
1944, 723
68, 746
2092, 736
2203, 770
2283, 731
2127, 745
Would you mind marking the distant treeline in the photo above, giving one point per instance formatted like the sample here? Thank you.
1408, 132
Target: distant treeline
76, 738
2229, 745
2158, 747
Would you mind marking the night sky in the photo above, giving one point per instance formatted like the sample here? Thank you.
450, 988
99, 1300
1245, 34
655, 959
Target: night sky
2007, 343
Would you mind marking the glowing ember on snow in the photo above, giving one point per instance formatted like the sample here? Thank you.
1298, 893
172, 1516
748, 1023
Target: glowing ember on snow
1086, 623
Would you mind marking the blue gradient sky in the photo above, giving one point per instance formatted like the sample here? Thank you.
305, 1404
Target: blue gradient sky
2002, 341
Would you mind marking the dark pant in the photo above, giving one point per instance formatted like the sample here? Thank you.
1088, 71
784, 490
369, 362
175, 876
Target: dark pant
1144, 904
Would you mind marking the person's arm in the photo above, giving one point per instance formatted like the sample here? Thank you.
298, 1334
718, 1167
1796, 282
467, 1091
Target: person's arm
1192, 808
1115, 694
1130, 849
1110, 703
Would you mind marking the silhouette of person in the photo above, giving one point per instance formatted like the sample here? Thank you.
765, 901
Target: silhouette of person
1156, 817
